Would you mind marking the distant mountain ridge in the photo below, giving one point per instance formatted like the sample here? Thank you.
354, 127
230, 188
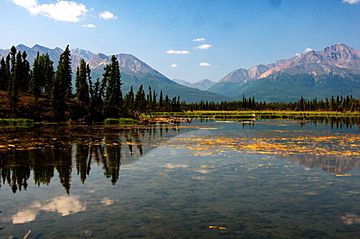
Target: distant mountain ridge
134, 72
201, 85
334, 70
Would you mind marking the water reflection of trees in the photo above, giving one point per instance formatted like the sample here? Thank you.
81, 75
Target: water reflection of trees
333, 122
16, 167
115, 149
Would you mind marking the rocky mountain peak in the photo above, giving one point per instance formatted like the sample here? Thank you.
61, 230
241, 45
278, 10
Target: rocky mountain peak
85, 54
341, 53
256, 71
311, 57
130, 62
238, 76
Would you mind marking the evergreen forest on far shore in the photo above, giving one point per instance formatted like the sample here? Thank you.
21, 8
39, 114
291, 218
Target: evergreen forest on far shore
42, 93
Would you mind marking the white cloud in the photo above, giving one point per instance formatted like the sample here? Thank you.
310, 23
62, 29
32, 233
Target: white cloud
177, 52
351, 1
66, 11
308, 50
106, 15
89, 25
200, 39
26, 3
206, 64
173, 65
203, 47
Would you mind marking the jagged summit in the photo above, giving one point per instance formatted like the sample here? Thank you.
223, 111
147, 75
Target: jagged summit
338, 61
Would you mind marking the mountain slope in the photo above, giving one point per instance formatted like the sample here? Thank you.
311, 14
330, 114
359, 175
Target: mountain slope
332, 71
134, 72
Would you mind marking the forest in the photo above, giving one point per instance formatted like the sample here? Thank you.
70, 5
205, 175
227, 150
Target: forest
338, 103
42, 93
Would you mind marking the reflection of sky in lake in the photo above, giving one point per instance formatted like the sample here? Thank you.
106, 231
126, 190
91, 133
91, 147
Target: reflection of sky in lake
200, 182
63, 205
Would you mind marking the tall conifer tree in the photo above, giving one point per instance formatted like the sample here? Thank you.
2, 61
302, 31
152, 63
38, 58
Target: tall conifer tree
61, 88
113, 97
4, 76
13, 87
82, 87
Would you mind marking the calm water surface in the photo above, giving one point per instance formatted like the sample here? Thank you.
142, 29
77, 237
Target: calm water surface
268, 179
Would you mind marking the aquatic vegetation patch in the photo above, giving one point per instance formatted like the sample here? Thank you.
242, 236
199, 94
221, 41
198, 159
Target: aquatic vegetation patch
315, 145
319, 150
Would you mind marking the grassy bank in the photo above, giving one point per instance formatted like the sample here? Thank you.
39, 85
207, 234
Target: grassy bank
258, 114
120, 121
5, 122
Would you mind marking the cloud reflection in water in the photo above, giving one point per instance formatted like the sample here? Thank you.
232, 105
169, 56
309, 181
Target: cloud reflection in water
63, 205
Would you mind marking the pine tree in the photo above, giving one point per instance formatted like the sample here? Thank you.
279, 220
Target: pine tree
161, 100
36, 79
13, 87
49, 74
82, 87
113, 97
58, 100
167, 104
64, 73
140, 101
154, 100
61, 88
88, 78
129, 102
42, 76
26, 75
4, 75
96, 101
149, 99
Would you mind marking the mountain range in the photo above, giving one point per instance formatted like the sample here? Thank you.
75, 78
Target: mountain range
316, 74
134, 72
335, 70
201, 85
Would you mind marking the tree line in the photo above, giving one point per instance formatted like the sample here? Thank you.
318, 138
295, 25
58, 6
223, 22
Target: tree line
90, 100
338, 103
94, 100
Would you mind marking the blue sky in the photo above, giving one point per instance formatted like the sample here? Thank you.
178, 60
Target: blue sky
184, 39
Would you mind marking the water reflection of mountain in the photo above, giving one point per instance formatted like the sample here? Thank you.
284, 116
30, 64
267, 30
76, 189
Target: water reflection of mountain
108, 147
335, 165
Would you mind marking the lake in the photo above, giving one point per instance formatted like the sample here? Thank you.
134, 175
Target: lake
205, 179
